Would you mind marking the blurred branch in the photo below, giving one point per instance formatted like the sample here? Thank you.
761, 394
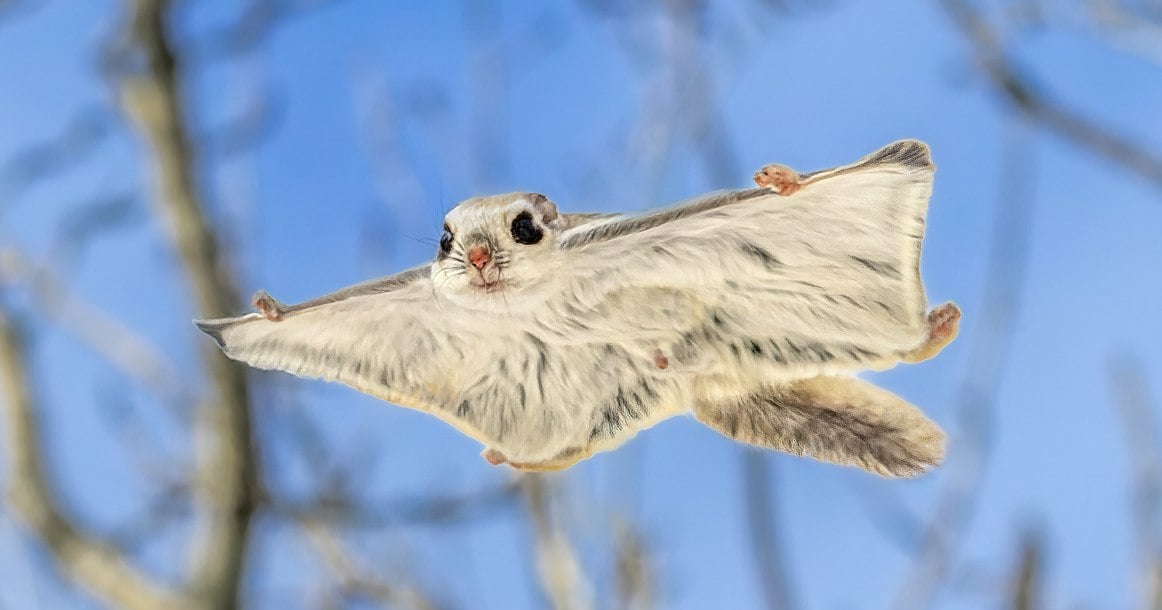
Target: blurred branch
340, 507
1018, 88
98, 217
13, 8
665, 42
120, 346
169, 502
243, 133
634, 575
692, 102
393, 172
1026, 586
36, 163
94, 564
227, 480
1126, 30
337, 502
764, 540
1133, 402
489, 86
986, 363
897, 522
166, 479
561, 578
353, 579
257, 21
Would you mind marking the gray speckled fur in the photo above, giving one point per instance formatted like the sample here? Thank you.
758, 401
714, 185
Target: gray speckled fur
740, 291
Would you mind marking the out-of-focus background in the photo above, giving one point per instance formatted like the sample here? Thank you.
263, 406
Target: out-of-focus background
160, 160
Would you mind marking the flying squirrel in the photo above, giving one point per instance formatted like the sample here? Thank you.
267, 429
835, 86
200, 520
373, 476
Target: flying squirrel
551, 337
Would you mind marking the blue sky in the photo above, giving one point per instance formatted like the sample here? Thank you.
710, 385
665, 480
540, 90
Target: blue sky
310, 210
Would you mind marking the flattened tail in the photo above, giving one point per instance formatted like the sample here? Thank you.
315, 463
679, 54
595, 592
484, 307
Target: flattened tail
841, 420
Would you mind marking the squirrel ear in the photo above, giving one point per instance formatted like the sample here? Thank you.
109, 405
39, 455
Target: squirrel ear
544, 207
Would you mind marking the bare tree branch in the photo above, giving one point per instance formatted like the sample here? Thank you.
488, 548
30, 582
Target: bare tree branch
693, 100
227, 480
765, 541
1133, 33
256, 23
1133, 402
634, 574
340, 507
83, 133
489, 82
1018, 88
127, 351
690, 101
354, 579
561, 577
254, 125
898, 523
94, 564
987, 360
98, 217
1026, 585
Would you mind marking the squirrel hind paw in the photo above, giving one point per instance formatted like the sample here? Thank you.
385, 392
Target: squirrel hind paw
494, 457
943, 326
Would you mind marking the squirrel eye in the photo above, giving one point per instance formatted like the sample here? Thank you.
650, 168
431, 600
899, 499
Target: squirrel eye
524, 230
446, 241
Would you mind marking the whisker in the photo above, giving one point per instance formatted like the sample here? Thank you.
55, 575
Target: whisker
449, 272
503, 292
447, 279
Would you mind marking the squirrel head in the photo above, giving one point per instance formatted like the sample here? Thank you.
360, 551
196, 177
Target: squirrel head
495, 247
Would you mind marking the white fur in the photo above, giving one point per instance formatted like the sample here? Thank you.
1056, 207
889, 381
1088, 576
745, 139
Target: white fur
564, 356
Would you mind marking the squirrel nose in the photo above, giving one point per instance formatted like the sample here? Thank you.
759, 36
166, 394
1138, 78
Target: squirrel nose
479, 256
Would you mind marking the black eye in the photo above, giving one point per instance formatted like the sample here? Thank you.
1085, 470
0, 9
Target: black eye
524, 230
446, 240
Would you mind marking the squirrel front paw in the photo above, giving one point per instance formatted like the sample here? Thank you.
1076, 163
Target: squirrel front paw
268, 306
779, 178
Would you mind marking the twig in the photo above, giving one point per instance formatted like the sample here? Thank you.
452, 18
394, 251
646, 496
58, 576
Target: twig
98, 217
83, 133
354, 579
764, 539
559, 571
227, 480
634, 575
254, 125
1133, 402
1127, 31
127, 351
1019, 89
489, 83
1026, 585
257, 22
168, 503
95, 565
898, 523
987, 359
693, 95
340, 507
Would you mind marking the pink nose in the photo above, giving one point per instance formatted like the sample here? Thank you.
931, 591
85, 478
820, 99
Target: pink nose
479, 256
